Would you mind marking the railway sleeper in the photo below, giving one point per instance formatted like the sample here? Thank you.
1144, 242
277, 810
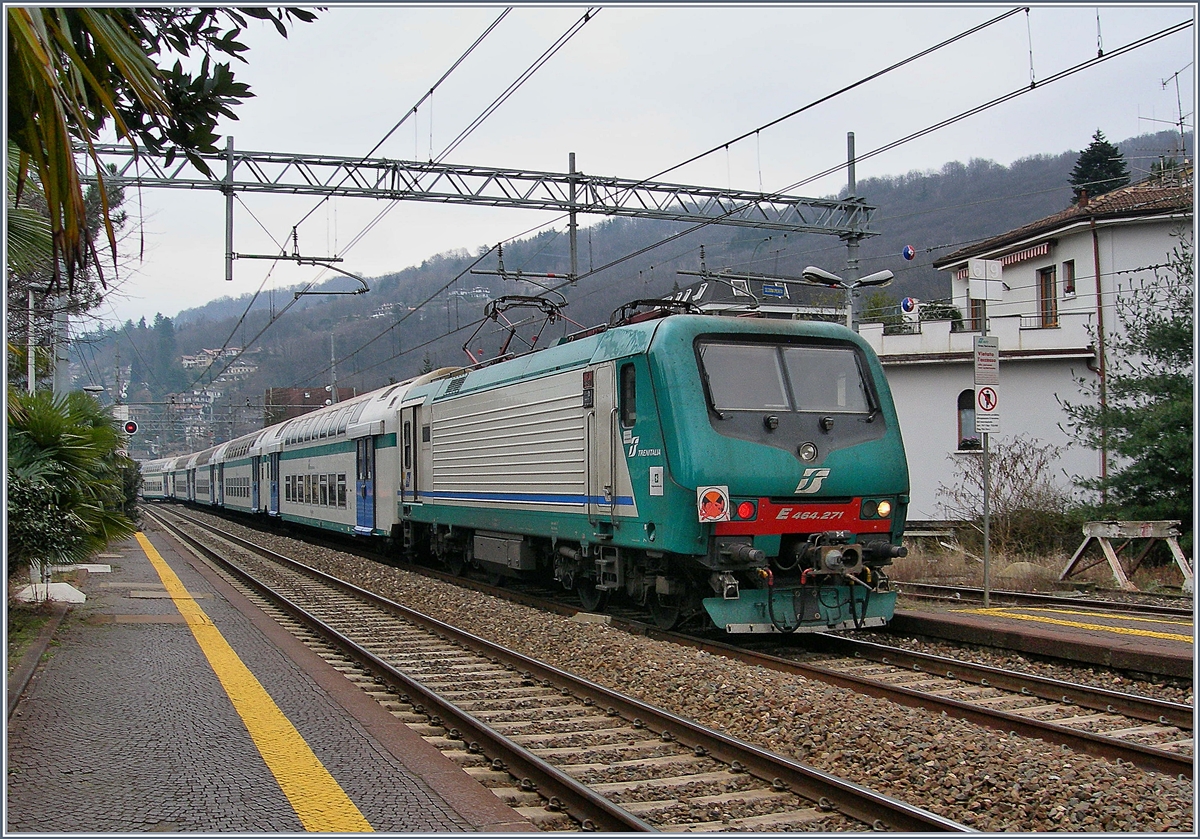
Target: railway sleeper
580, 769
480, 712
561, 725
544, 819
640, 747
792, 818
721, 776
608, 733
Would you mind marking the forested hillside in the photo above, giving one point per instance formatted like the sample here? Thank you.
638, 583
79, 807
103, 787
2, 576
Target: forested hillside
420, 316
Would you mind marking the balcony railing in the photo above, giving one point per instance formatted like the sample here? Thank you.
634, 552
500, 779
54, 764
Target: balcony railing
1068, 330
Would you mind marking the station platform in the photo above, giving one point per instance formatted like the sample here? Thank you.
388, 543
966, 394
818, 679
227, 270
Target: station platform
168, 702
1152, 644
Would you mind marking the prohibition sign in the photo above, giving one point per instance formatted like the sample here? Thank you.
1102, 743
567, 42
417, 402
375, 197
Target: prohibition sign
987, 399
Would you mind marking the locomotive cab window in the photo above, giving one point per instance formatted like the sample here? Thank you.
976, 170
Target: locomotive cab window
628, 396
784, 377
826, 379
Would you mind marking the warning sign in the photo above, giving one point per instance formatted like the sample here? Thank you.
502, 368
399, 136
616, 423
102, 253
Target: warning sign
987, 410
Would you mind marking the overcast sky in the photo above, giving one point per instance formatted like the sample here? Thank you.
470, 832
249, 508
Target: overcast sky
637, 90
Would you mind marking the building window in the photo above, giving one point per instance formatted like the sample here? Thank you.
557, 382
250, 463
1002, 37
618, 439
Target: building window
975, 321
1048, 297
968, 440
1069, 278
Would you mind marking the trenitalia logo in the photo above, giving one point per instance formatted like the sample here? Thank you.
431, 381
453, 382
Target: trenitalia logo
811, 482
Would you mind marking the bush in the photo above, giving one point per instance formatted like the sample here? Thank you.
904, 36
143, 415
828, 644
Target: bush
1030, 513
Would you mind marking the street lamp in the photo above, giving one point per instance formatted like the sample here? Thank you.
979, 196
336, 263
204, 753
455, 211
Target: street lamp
818, 276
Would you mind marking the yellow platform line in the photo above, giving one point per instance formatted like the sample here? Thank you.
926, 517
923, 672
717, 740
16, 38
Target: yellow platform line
318, 800
1123, 630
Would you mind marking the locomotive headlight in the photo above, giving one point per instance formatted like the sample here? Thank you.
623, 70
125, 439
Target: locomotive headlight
807, 451
872, 509
746, 510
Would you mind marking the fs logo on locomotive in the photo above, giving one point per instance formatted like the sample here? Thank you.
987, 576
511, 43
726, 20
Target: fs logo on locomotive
811, 482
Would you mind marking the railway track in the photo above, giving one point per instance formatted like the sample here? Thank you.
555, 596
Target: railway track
570, 753
1153, 734
1150, 733
1122, 602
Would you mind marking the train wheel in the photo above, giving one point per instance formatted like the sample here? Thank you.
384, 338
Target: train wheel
495, 578
665, 610
456, 563
591, 598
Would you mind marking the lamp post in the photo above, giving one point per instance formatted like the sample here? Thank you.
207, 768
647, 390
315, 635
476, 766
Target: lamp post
818, 276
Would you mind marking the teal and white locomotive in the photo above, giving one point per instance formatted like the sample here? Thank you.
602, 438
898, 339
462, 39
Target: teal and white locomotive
746, 472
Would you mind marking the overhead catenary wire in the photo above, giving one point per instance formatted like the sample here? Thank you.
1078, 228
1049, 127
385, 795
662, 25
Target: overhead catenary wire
999, 100
590, 14
944, 123
1149, 39
978, 109
846, 89
375, 148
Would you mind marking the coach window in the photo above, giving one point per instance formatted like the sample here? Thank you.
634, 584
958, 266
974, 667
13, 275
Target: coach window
968, 440
628, 396
407, 444
341, 489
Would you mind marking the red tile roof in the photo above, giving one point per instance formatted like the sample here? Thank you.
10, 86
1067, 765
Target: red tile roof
1148, 197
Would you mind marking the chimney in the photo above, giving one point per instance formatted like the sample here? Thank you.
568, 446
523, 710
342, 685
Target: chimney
1083, 197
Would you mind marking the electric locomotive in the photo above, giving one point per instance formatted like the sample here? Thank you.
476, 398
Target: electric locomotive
743, 472
747, 471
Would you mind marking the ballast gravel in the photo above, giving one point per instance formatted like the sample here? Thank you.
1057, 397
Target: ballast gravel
985, 779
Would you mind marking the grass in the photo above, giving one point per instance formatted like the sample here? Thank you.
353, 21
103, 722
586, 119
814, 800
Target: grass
25, 621
1020, 572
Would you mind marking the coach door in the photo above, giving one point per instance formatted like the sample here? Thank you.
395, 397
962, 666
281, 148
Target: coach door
601, 429
255, 466
364, 482
409, 456
219, 492
273, 483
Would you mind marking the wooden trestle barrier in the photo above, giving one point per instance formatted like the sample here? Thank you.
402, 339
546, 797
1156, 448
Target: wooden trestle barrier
1152, 531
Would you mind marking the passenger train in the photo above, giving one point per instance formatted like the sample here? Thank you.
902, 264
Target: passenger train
746, 472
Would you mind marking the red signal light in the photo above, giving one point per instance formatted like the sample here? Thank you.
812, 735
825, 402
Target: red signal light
746, 510
131, 427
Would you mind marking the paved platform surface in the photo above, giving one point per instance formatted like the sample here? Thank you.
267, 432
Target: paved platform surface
1150, 644
128, 727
